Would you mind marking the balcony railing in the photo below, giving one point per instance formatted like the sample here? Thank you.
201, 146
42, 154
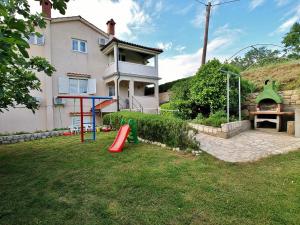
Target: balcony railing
131, 68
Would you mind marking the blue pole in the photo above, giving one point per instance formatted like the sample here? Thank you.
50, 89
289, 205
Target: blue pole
94, 120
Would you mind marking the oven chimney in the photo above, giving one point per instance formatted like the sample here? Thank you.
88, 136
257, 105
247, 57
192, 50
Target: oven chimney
111, 27
46, 8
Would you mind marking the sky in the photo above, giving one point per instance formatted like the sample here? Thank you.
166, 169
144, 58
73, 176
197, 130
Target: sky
177, 27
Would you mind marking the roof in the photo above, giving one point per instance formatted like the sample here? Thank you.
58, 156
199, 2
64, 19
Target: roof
79, 18
116, 40
105, 103
269, 92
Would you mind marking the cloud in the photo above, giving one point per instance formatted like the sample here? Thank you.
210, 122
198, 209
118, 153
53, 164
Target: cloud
165, 46
127, 13
281, 2
184, 10
255, 3
158, 6
183, 65
180, 48
198, 21
226, 30
285, 26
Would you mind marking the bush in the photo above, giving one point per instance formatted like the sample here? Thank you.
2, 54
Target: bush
164, 129
167, 106
214, 120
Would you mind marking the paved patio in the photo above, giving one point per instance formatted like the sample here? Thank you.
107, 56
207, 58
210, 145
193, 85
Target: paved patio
248, 146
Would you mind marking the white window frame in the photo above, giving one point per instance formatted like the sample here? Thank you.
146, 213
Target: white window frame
78, 86
78, 45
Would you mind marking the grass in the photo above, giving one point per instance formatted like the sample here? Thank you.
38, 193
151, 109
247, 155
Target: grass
60, 181
287, 74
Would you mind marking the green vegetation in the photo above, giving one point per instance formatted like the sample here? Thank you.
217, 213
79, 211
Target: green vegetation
258, 57
17, 68
262, 56
215, 119
164, 129
164, 110
167, 86
291, 42
60, 181
206, 92
287, 74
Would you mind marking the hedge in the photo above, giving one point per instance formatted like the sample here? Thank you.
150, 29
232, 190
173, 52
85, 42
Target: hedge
164, 129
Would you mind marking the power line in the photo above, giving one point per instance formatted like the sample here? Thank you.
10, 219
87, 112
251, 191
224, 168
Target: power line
201, 2
208, 6
220, 3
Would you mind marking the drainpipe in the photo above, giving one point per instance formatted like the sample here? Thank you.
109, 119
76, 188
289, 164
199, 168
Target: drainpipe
118, 74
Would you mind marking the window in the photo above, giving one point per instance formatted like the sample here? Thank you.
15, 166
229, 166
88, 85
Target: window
78, 86
76, 120
35, 40
111, 90
75, 85
79, 46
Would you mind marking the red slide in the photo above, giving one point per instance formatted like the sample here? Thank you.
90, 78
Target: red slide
119, 141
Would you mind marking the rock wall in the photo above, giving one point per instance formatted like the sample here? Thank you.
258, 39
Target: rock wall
291, 101
164, 97
227, 130
11, 139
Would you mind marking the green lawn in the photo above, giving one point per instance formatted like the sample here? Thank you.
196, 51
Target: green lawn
60, 181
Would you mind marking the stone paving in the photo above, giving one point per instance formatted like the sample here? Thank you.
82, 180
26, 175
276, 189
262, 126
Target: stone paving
248, 146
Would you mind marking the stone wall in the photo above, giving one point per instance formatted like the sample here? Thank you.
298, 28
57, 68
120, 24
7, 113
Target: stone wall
291, 101
164, 97
226, 130
11, 139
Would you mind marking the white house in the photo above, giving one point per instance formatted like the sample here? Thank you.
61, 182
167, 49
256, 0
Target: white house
88, 62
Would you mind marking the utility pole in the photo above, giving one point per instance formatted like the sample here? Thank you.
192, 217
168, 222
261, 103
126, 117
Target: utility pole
208, 6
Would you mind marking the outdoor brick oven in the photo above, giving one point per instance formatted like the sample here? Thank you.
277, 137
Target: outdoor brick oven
269, 108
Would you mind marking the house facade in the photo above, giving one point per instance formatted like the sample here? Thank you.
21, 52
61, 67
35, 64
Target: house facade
88, 62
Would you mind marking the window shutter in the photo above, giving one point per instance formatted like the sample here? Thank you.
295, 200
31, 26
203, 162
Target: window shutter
63, 85
91, 86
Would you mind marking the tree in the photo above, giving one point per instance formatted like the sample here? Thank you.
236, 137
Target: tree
291, 41
209, 90
181, 99
17, 68
257, 57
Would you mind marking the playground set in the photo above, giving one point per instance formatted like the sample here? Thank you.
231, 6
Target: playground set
82, 114
127, 131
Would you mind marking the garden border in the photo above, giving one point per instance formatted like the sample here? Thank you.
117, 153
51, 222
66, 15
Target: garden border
227, 130
11, 139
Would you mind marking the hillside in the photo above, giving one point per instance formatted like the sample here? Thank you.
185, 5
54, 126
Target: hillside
287, 74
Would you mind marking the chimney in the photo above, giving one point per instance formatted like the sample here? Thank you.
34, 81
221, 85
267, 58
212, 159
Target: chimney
111, 27
46, 8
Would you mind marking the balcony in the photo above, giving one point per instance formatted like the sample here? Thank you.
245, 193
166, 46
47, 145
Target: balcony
131, 69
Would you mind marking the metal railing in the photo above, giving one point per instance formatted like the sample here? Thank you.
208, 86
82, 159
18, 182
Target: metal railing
136, 105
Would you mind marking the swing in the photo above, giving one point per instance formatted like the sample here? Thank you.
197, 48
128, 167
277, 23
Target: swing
82, 114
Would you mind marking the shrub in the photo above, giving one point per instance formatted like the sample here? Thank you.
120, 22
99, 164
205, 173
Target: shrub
208, 88
214, 120
167, 106
164, 129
